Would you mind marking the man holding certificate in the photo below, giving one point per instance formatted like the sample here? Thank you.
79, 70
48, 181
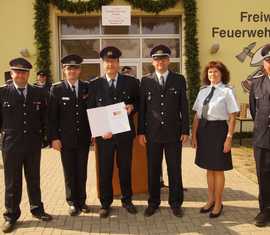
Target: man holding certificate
114, 88
163, 126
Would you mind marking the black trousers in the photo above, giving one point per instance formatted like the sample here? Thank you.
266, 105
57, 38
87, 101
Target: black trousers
262, 159
107, 149
173, 157
74, 163
14, 162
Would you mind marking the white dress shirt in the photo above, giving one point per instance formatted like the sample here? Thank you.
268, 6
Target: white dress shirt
165, 75
221, 104
76, 84
24, 91
109, 79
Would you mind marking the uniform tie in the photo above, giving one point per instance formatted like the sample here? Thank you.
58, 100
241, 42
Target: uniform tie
162, 81
112, 87
206, 103
74, 91
21, 90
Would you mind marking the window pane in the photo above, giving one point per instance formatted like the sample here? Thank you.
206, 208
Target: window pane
149, 68
131, 72
173, 44
79, 25
87, 49
160, 25
90, 71
133, 29
130, 48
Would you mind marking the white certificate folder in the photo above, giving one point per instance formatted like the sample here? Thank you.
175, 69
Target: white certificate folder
111, 118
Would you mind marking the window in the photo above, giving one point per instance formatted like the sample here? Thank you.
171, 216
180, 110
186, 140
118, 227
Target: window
86, 36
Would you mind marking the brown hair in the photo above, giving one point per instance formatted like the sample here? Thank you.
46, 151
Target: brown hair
225, 74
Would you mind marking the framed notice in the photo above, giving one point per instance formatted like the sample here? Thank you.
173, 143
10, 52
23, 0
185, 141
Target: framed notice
116, 15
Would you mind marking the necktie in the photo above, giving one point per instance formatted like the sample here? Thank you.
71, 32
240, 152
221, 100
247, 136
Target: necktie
21, 90
74, 91
206, 103
162, 80
112, 87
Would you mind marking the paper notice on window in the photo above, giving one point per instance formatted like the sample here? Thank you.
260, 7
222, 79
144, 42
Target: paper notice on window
112, 118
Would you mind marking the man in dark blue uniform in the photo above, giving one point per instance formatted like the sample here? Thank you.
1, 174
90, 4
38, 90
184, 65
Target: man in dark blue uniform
163, 126
109, 89
23, 123
43, 81
260, 110
69, 131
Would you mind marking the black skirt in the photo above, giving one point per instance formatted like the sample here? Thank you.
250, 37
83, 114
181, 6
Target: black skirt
210, 143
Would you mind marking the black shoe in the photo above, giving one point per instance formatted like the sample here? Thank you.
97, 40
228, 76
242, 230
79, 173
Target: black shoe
149, 211
206, 210
177, 211
130, 207
85, 209
43, 216
262, 219
8, 226
104, 213
213, 215
73, 211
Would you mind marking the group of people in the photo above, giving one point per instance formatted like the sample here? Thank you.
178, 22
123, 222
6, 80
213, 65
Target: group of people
30, 118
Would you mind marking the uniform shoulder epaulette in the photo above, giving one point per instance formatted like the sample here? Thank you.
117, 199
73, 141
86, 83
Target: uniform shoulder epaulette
93, 79
57, 83
204, 86
258, 76
146, 75
4, 85
229, 86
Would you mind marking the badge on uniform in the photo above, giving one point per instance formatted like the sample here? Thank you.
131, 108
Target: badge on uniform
37, 104
65, 98
84, 96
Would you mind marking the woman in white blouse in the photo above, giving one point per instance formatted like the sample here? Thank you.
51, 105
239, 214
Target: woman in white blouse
212, 130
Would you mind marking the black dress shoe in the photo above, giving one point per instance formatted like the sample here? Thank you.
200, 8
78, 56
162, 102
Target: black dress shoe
149, 211
85, 209
129, 206
104, 213
73, 211
43, 216
215, 215
262, 219
177, 211
8, 226
206, 210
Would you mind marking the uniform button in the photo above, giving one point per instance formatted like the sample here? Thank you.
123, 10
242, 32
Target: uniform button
24, 131
78, 129
114, 98
162, 123
24, 114
24, 105
24, 122
161, 96
77, 122
77, 105
162, 113
162, 104
77, 113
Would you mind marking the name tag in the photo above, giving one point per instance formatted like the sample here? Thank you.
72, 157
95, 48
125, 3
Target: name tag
65, 98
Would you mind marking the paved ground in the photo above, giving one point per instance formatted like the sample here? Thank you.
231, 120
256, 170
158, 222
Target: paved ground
240, 200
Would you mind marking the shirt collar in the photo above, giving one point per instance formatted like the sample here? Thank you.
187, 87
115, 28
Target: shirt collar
16, 86
76, 84
109, 78
165, 75
220, 84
